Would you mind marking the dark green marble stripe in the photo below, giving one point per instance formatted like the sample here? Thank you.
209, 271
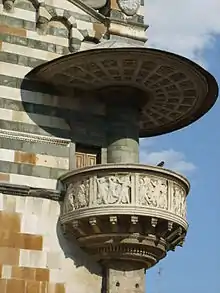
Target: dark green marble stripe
52, 111
20, 60
17, 22
29, 85
30, 170
34, 129
92, 133
42, 148
52, 30
35, 44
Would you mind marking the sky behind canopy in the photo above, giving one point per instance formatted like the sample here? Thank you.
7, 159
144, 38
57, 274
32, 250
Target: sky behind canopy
190, 28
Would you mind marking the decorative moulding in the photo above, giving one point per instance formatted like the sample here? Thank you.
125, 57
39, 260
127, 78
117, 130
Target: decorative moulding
22, 190
33, 138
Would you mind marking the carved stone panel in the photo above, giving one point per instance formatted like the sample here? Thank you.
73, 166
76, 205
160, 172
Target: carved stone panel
77, 195
152, 192
120, 211
178, 205
113, 190
144, 191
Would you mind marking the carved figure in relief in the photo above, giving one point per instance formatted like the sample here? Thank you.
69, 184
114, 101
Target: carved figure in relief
124, 189
183, 206
153, 192
179, 201
70, 192
78, 194
160, 193
113, 190
102, 190
145, 190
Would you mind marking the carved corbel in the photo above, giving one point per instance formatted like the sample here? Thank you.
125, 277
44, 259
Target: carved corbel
153, 226
114, 223
178, 241
43, 18
8, 5
76, 226
169, 226
165, 229
94, 223
176, 232
134, 227
154, 222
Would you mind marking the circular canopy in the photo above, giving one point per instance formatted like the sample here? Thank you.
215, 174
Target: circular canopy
177, 90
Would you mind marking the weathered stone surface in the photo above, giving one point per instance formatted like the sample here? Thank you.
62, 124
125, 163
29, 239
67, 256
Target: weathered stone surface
122, 132
121, 279
128, 212
34, 256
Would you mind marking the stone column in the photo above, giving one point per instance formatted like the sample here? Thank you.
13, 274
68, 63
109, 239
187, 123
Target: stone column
122, 279
122, 133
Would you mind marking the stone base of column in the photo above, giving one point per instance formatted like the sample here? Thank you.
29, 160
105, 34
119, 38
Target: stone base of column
121, 278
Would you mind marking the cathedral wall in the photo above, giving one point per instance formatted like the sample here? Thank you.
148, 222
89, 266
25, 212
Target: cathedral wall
36, 144
34, 256
36, 147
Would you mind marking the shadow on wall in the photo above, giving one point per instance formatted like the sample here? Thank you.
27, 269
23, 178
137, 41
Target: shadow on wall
78, 118
46, 110
72, 250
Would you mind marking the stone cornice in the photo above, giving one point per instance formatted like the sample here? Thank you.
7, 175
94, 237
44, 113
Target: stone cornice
131, 30
22, 190
128, 22
33, 138
158, 171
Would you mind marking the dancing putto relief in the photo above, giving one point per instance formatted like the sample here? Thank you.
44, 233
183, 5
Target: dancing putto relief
126, 189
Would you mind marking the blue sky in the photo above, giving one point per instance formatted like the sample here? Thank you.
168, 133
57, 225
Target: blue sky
194, 151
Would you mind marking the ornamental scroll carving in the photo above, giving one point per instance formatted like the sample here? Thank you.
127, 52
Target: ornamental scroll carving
113, 190
78, 195
153, 192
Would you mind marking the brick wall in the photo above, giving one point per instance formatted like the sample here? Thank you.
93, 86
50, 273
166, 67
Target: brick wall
34, 256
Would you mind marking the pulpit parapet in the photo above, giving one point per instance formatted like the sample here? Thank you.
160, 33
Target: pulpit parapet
125, 211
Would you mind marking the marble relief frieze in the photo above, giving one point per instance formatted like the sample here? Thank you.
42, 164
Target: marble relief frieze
127, 189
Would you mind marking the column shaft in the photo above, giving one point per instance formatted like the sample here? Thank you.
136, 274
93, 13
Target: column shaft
125, 280
122, 134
